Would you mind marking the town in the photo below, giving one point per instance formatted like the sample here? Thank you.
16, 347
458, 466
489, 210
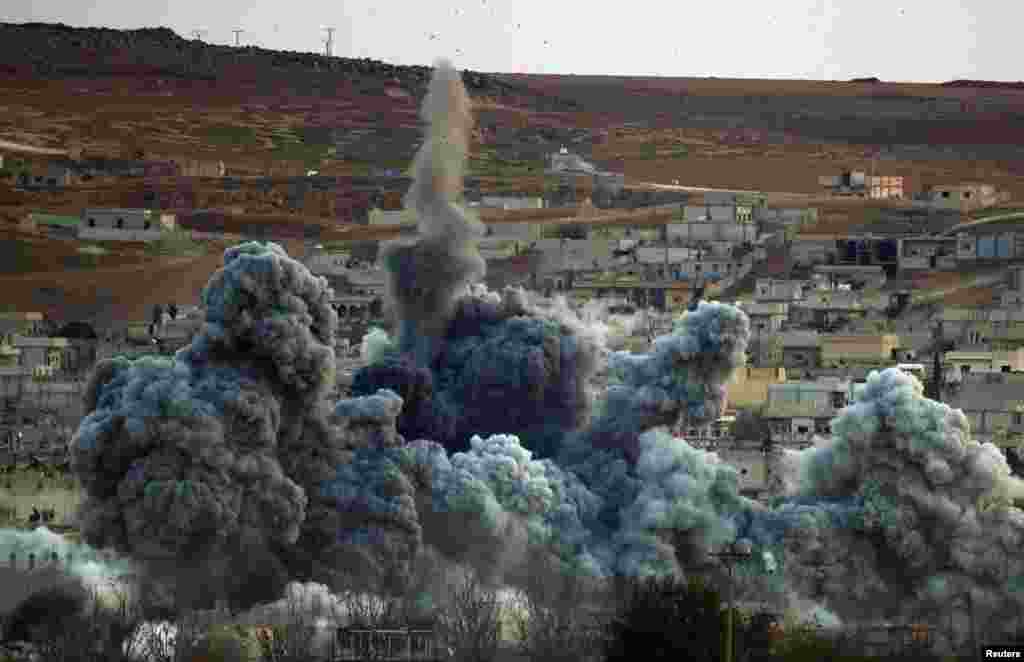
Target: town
934, 285
316, 357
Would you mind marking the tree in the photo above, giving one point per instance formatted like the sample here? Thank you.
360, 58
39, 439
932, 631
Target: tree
667, 618
471, 624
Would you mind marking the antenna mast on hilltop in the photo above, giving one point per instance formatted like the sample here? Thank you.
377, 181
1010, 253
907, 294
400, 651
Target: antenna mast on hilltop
198, 34
329, 44
237, 32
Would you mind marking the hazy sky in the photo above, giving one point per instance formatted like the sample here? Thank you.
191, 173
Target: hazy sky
905, 40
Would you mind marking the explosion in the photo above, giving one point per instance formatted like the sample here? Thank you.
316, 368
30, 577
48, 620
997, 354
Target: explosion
475, 436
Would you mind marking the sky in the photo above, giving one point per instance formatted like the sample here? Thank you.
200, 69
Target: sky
901, 41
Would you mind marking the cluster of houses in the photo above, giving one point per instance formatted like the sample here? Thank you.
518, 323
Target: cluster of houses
63, 172
43, 367
825, 310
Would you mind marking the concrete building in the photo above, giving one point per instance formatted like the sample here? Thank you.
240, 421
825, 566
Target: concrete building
797, 411
1013, 296
824, 309
836, 276
125, 219
993, 404
748, 387
768, 290
202, 168
124, 224
859, 183
801, 350
917, 253
965, 197
13, 324
766, 317
396, 217
692, 232
990, 243
996, 327
864, 350
564, 161
804, 250
511, 202
785, 216
959, 363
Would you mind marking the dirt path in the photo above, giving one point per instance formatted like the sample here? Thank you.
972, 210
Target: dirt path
31, 149
126, 269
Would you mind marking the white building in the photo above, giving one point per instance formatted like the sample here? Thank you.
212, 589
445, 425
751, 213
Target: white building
511, 202
124, 224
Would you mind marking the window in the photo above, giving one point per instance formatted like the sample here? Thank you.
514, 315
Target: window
120, 223
801, 429
945, 194
147, 225
1018, 418
967, 194
92, 222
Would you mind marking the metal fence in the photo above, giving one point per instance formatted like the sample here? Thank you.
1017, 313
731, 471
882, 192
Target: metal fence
357, 645
52, 559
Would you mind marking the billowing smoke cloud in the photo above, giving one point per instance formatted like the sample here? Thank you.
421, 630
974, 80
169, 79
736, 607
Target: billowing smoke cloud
474, 436
183, 458
505, 365
906, 504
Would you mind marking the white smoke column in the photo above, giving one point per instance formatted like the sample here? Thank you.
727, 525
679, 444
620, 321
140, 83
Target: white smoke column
426, 277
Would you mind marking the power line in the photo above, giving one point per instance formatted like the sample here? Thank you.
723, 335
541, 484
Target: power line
329, 44
237, 32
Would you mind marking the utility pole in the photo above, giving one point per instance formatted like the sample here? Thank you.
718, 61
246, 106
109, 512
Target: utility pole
731, 555
237, 32
329, 50
198, 34
970, 614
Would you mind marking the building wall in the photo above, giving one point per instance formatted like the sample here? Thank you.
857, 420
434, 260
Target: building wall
767, 289
107, 234
519, 231
381, 217
801, 358
195, 168
129, 219
812, 251
511, 202
965, 197
711, 231
63, 397
857, 348
749, 386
